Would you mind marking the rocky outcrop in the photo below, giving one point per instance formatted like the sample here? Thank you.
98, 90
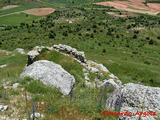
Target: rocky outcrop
3, 107
95, 67
51, 74
79, 55
135, 97
20, 50
111, 82
36, 115
3, 66
33, 54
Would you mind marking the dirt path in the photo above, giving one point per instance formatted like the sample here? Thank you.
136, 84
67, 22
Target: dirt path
12, 13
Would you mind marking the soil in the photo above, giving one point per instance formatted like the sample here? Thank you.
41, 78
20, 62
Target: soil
137, 6
40, 11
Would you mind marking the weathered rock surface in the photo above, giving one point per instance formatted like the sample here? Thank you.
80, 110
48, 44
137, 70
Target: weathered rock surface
95, 67
135, 97
111, 82
15, 85
3, 66
33, 54
3, 107
36, 115
51, 74
135, 116
69, 50
20, 50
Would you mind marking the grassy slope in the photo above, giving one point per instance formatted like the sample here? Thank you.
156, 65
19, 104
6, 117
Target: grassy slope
69, 3
55, 105
17, 9
133, 55
16, 19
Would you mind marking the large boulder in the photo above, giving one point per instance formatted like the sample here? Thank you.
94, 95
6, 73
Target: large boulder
135, 97
51, 74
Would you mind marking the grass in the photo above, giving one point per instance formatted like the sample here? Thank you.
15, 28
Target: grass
50, 101
69, 3
16, 19
15, 65
13, 18
132, 55
16, 9
69, 64
136, 8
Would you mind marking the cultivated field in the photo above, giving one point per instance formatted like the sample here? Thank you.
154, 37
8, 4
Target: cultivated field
40, 11
137, 6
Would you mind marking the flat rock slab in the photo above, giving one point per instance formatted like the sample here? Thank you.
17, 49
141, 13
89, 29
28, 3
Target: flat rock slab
51, 74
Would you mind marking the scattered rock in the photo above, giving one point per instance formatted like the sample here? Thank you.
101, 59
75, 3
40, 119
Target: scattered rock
6, 52
37, 115
70, 21
113, 76
85, 70
3, 107
112, 82
20, 50
69, 50
15, 85
86, 76
51, 74
95, 67
90, 84
3, 66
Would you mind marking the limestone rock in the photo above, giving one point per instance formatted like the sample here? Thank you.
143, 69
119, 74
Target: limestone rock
3, 66
20, 50
33, 54
15, 85
51, 74
112, 82
69, 50
135, 97
3, 107
37, 115
95, 67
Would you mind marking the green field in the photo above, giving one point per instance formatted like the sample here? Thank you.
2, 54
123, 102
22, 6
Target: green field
11, 16
70, 3
153, 1
17, 9
16, 19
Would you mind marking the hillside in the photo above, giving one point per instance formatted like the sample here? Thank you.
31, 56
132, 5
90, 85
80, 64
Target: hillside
93, 32
110, 54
